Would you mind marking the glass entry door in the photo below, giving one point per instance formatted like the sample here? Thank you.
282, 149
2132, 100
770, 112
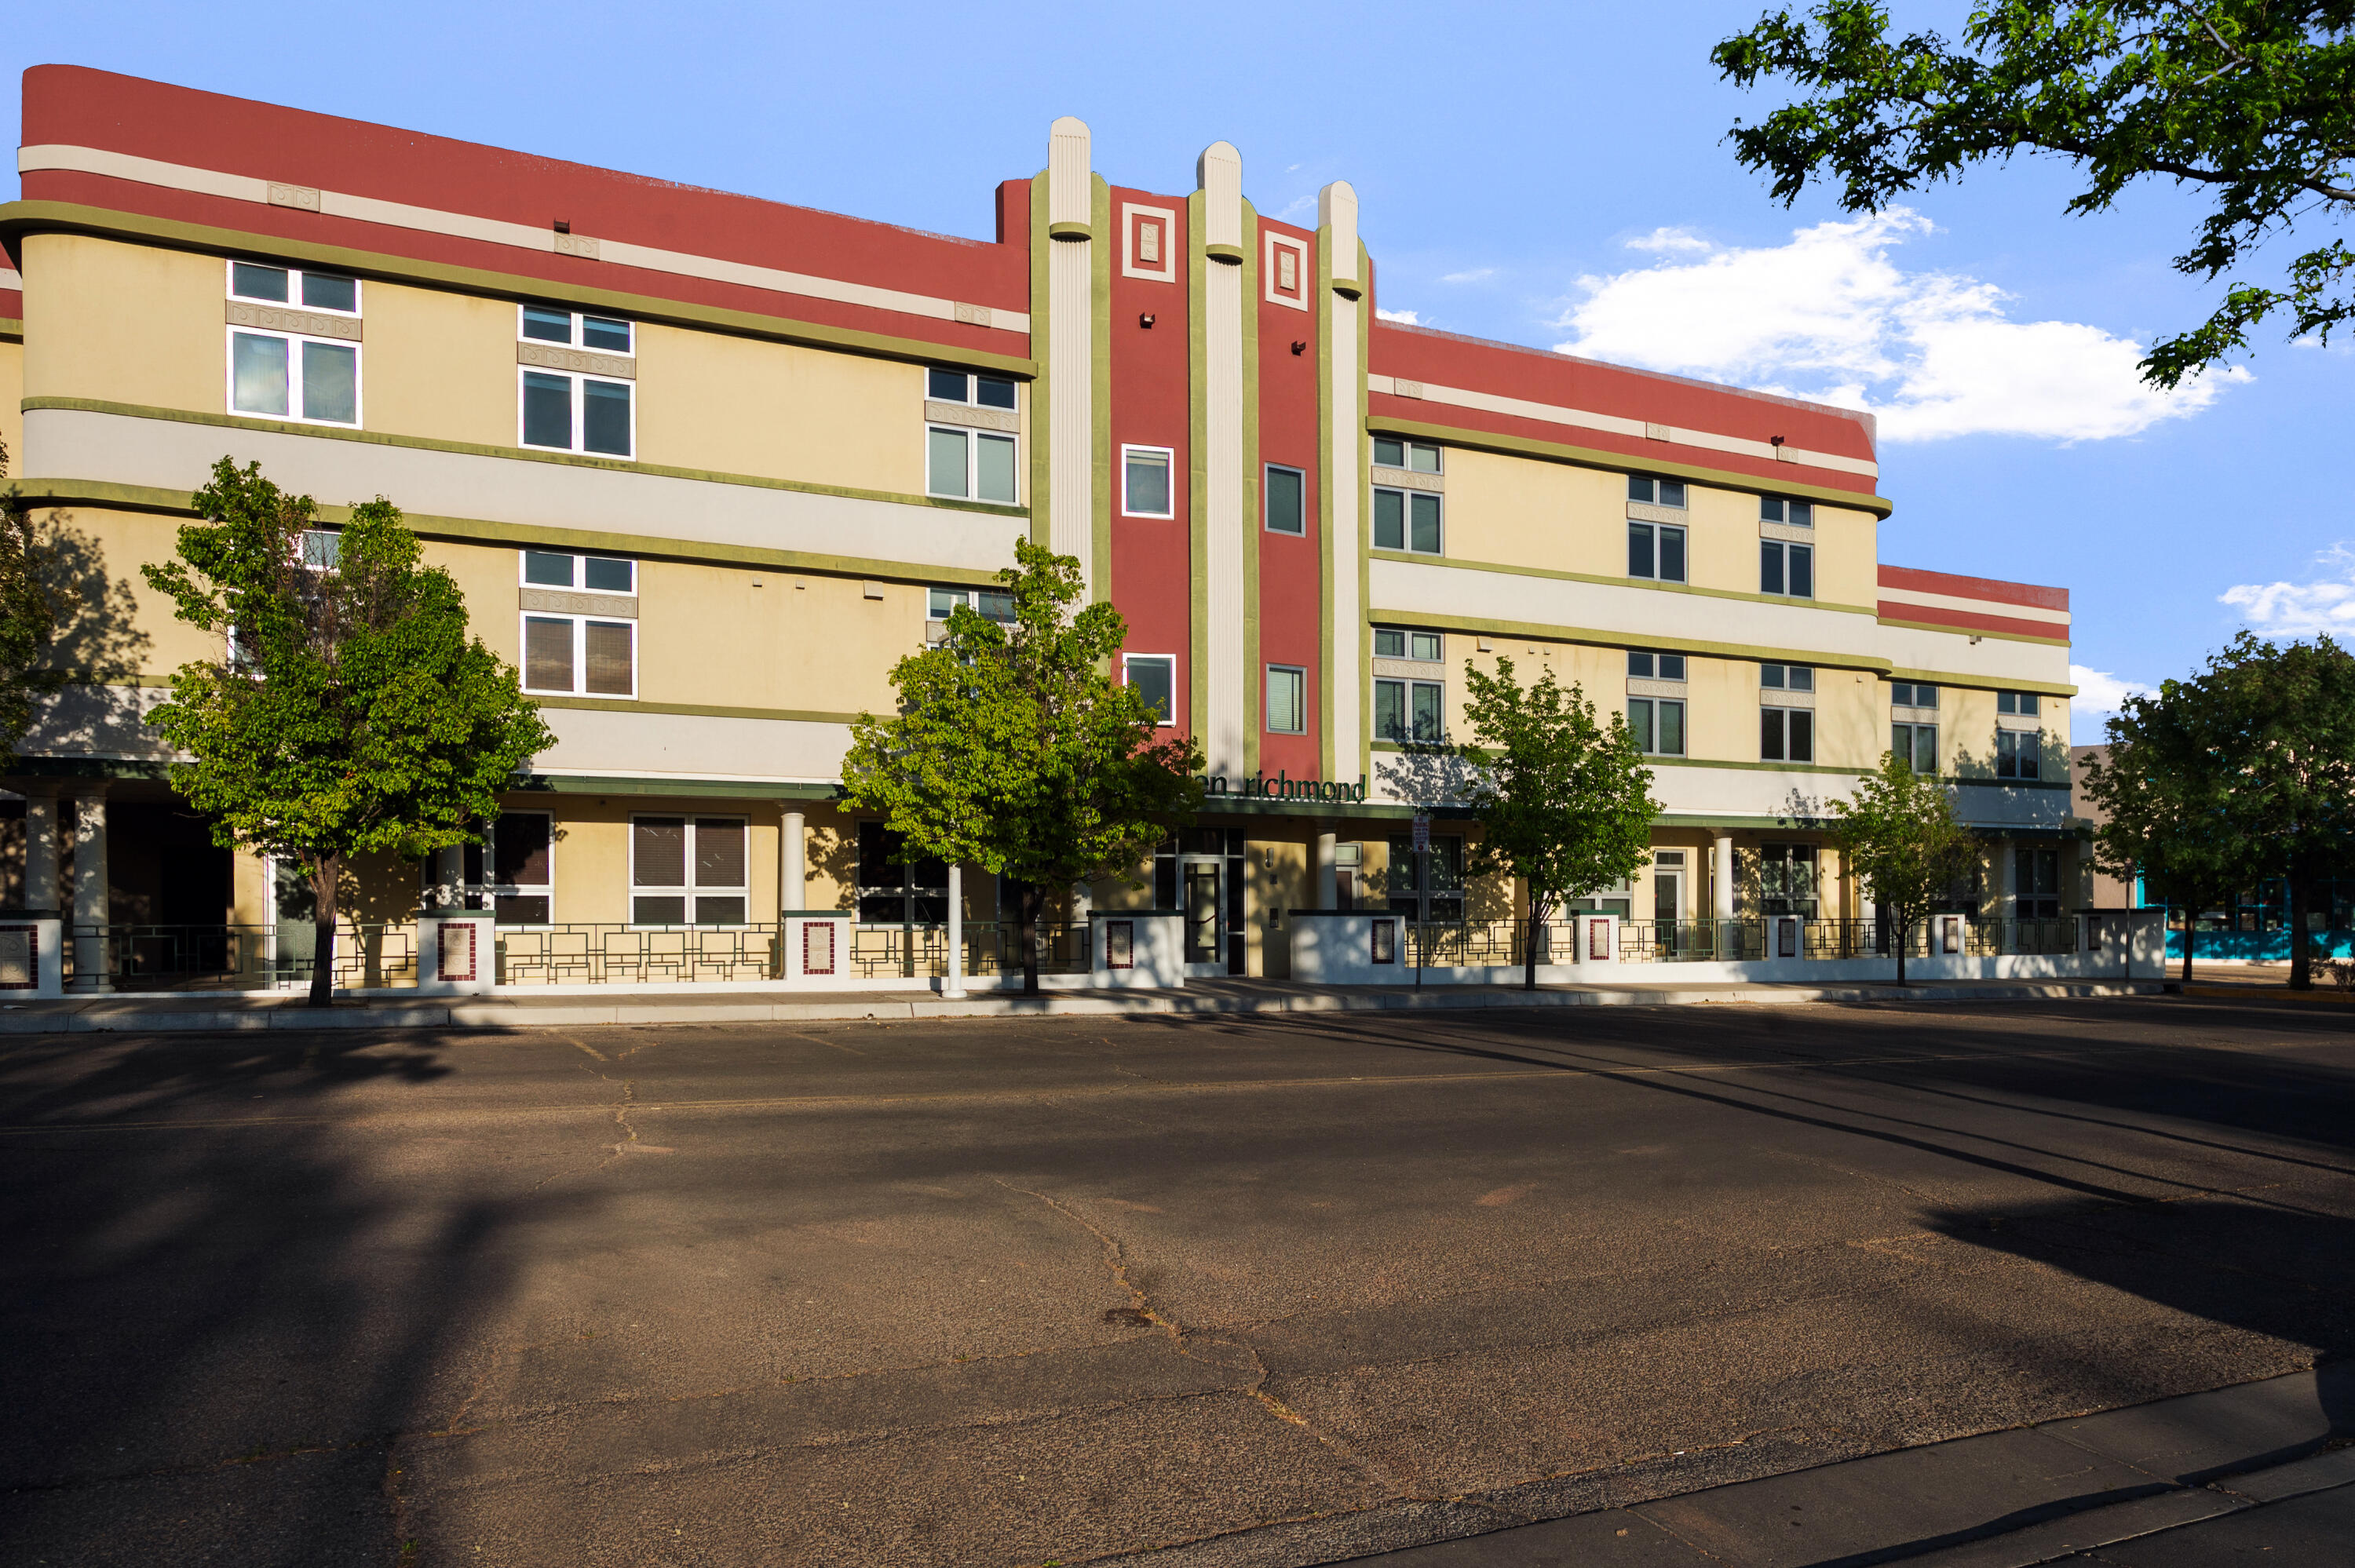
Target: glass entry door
1202, 911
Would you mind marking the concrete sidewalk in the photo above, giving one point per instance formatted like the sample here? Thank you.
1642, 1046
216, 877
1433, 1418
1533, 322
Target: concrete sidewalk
198, 1011
2210, 1465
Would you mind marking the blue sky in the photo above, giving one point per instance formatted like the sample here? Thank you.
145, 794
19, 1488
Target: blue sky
1553, 174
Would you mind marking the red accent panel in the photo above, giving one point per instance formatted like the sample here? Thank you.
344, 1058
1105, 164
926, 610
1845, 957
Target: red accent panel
1919, 581
1153, 558
74, 105
1291, 569
1966, 621
12, 305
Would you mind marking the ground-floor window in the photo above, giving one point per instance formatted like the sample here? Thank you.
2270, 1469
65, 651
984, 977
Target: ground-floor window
688, 871
891, 894
522, 868
2036, 883
1786, 879
1443, 900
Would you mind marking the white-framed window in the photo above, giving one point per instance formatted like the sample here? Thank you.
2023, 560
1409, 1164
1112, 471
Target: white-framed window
1786, 677
585, 574
573, 652
2023, 703
520, 858
576, 329
1787, 511
1786, 568
1917, 746
1144, 489
1654, 492
1287, 699
974, 390
969, 465
2019, 753
1397, 452
1786, 734
1656, 551
1407, 710
993, 604
563, 410
688, 871
1407, 520
1645, 666
322, 549
1657, 725
1156, 676
277, 370
1285, 497
1913, 695
1397, 642
1787, 882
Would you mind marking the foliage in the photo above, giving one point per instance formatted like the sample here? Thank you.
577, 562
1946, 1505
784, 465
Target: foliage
351, 712
1898, 834
2250, 101
1564, 804
1016, 751
29, 618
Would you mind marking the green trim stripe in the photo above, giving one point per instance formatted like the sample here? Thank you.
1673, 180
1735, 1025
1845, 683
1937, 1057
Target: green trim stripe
1580, 635
18, 218
1198, 468
694, 710
1974, 632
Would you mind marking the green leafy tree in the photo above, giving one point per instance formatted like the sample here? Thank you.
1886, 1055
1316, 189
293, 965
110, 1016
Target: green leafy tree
2251, 102
1564, 802
1898, 834
1014, 749
2166, 792
30, 619
351, 712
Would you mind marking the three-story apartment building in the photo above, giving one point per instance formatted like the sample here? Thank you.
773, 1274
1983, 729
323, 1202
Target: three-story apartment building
706, 466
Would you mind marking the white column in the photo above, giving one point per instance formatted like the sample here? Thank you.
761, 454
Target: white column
1224, 321
954, 989
1337, 217
450, 877
792, 874
41, 847
1071, 344
1327, 894
90, 903
1723, 876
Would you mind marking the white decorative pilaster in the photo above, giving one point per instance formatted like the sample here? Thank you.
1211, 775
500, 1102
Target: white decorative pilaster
1721, 877
1224, 318
1071, 352
41, 847
1337, 219
792, 874
90, 888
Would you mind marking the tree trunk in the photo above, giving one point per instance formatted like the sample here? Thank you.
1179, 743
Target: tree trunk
323, 930
1032, 895
1904, 929
2191, 928
1530, 951
2301, 958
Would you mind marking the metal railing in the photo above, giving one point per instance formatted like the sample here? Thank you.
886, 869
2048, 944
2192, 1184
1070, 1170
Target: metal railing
618, 954
991, 947
1743, 939
369, 954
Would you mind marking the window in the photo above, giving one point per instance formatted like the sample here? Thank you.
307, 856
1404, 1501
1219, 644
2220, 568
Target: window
2036, 884
1392, 451
1409, 710
970, 465
1656, 551
1390, 643
2017, 753
1287, 699
579, 412
1657, 725
279, 370
1655, 491
1654, 666
1786, 879
1913, 695
1144, 481
891, 894
1287, 500
975, 391
522, 879
991, 604
1406, 520
1785, 568
1791, 514
1786, 734
592, 574
1154, 675
2020, 703
1786, 677
688, 871
1917, 746
1443, 900
569, 652
322, 549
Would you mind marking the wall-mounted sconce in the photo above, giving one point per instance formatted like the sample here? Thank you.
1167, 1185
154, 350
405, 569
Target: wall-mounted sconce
1299, 345
1145, 319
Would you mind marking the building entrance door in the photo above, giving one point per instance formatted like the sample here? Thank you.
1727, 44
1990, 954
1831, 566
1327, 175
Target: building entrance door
1202, 904
1668, 900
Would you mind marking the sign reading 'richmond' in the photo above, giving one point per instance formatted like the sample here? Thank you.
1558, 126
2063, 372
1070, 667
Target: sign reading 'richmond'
1283, 787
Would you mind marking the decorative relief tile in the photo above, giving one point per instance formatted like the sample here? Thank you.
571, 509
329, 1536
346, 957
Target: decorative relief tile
307, 197
1644, 511
1004, 419
1412, 669
548, 357
1656, 432
1641, 688
1408, 479
973, 315
580, 244
1771, 697
1402, 387
279, 318
558, 601
1912, 715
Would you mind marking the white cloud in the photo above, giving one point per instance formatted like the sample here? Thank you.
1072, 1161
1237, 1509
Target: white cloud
1476, 275
2099, 692
1412, 318
2302, 609
1830, 317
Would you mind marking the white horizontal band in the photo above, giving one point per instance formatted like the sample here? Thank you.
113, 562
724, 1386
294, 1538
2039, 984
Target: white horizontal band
1978, 606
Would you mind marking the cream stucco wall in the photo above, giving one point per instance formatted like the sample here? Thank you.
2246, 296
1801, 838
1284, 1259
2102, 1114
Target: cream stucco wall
12, 413
440, 366
126, 323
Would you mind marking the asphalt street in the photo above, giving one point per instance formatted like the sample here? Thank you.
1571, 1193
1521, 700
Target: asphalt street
1254, 1291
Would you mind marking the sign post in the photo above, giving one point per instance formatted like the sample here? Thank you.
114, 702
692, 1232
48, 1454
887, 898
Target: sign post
1421, 887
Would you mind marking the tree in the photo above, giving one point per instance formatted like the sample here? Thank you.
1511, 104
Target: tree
351, 712
1015, 750
29, 617
1564, 804
2251, 102
2166, 792
1898, 832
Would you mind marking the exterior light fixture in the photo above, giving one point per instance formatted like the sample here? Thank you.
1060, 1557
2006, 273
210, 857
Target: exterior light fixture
1145, 319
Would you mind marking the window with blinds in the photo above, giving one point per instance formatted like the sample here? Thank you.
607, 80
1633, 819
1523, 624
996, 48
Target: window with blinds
578, 655
688, 871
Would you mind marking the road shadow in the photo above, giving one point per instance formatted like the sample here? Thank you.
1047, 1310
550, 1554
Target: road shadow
219, 1304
